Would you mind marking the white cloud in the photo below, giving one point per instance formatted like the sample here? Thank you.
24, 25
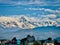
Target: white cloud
51, 16
53, 11
44, 9
25, 2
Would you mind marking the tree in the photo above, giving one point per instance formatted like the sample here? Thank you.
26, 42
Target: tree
49, 39
36, 43
55, 41
14, 40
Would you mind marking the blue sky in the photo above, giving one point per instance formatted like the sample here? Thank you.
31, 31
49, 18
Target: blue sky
18, 7
31, 8
23, 2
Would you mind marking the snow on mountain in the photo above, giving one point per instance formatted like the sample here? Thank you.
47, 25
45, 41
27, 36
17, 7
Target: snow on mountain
15, 22
26, 22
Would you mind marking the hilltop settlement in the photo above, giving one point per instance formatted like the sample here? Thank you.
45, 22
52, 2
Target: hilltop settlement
29, 40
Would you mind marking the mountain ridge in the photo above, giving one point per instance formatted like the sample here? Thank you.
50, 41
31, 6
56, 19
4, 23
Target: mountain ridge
25, 22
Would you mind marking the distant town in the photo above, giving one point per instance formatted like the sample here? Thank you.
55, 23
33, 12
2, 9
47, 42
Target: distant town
29, 40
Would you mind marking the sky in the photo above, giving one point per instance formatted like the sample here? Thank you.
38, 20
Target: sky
29, 7
33, 8
25, 2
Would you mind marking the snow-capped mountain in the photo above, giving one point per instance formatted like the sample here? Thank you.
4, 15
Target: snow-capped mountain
26, 22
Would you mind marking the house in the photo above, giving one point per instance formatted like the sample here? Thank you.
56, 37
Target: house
49, 42
3, 41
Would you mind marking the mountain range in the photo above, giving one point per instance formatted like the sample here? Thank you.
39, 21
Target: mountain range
28, 22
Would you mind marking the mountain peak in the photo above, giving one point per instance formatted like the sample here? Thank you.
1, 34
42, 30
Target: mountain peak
25, 22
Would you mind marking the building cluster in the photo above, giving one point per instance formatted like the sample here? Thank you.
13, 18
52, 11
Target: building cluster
29, 40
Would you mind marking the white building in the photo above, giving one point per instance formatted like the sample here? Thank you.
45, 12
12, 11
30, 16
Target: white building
48, 44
